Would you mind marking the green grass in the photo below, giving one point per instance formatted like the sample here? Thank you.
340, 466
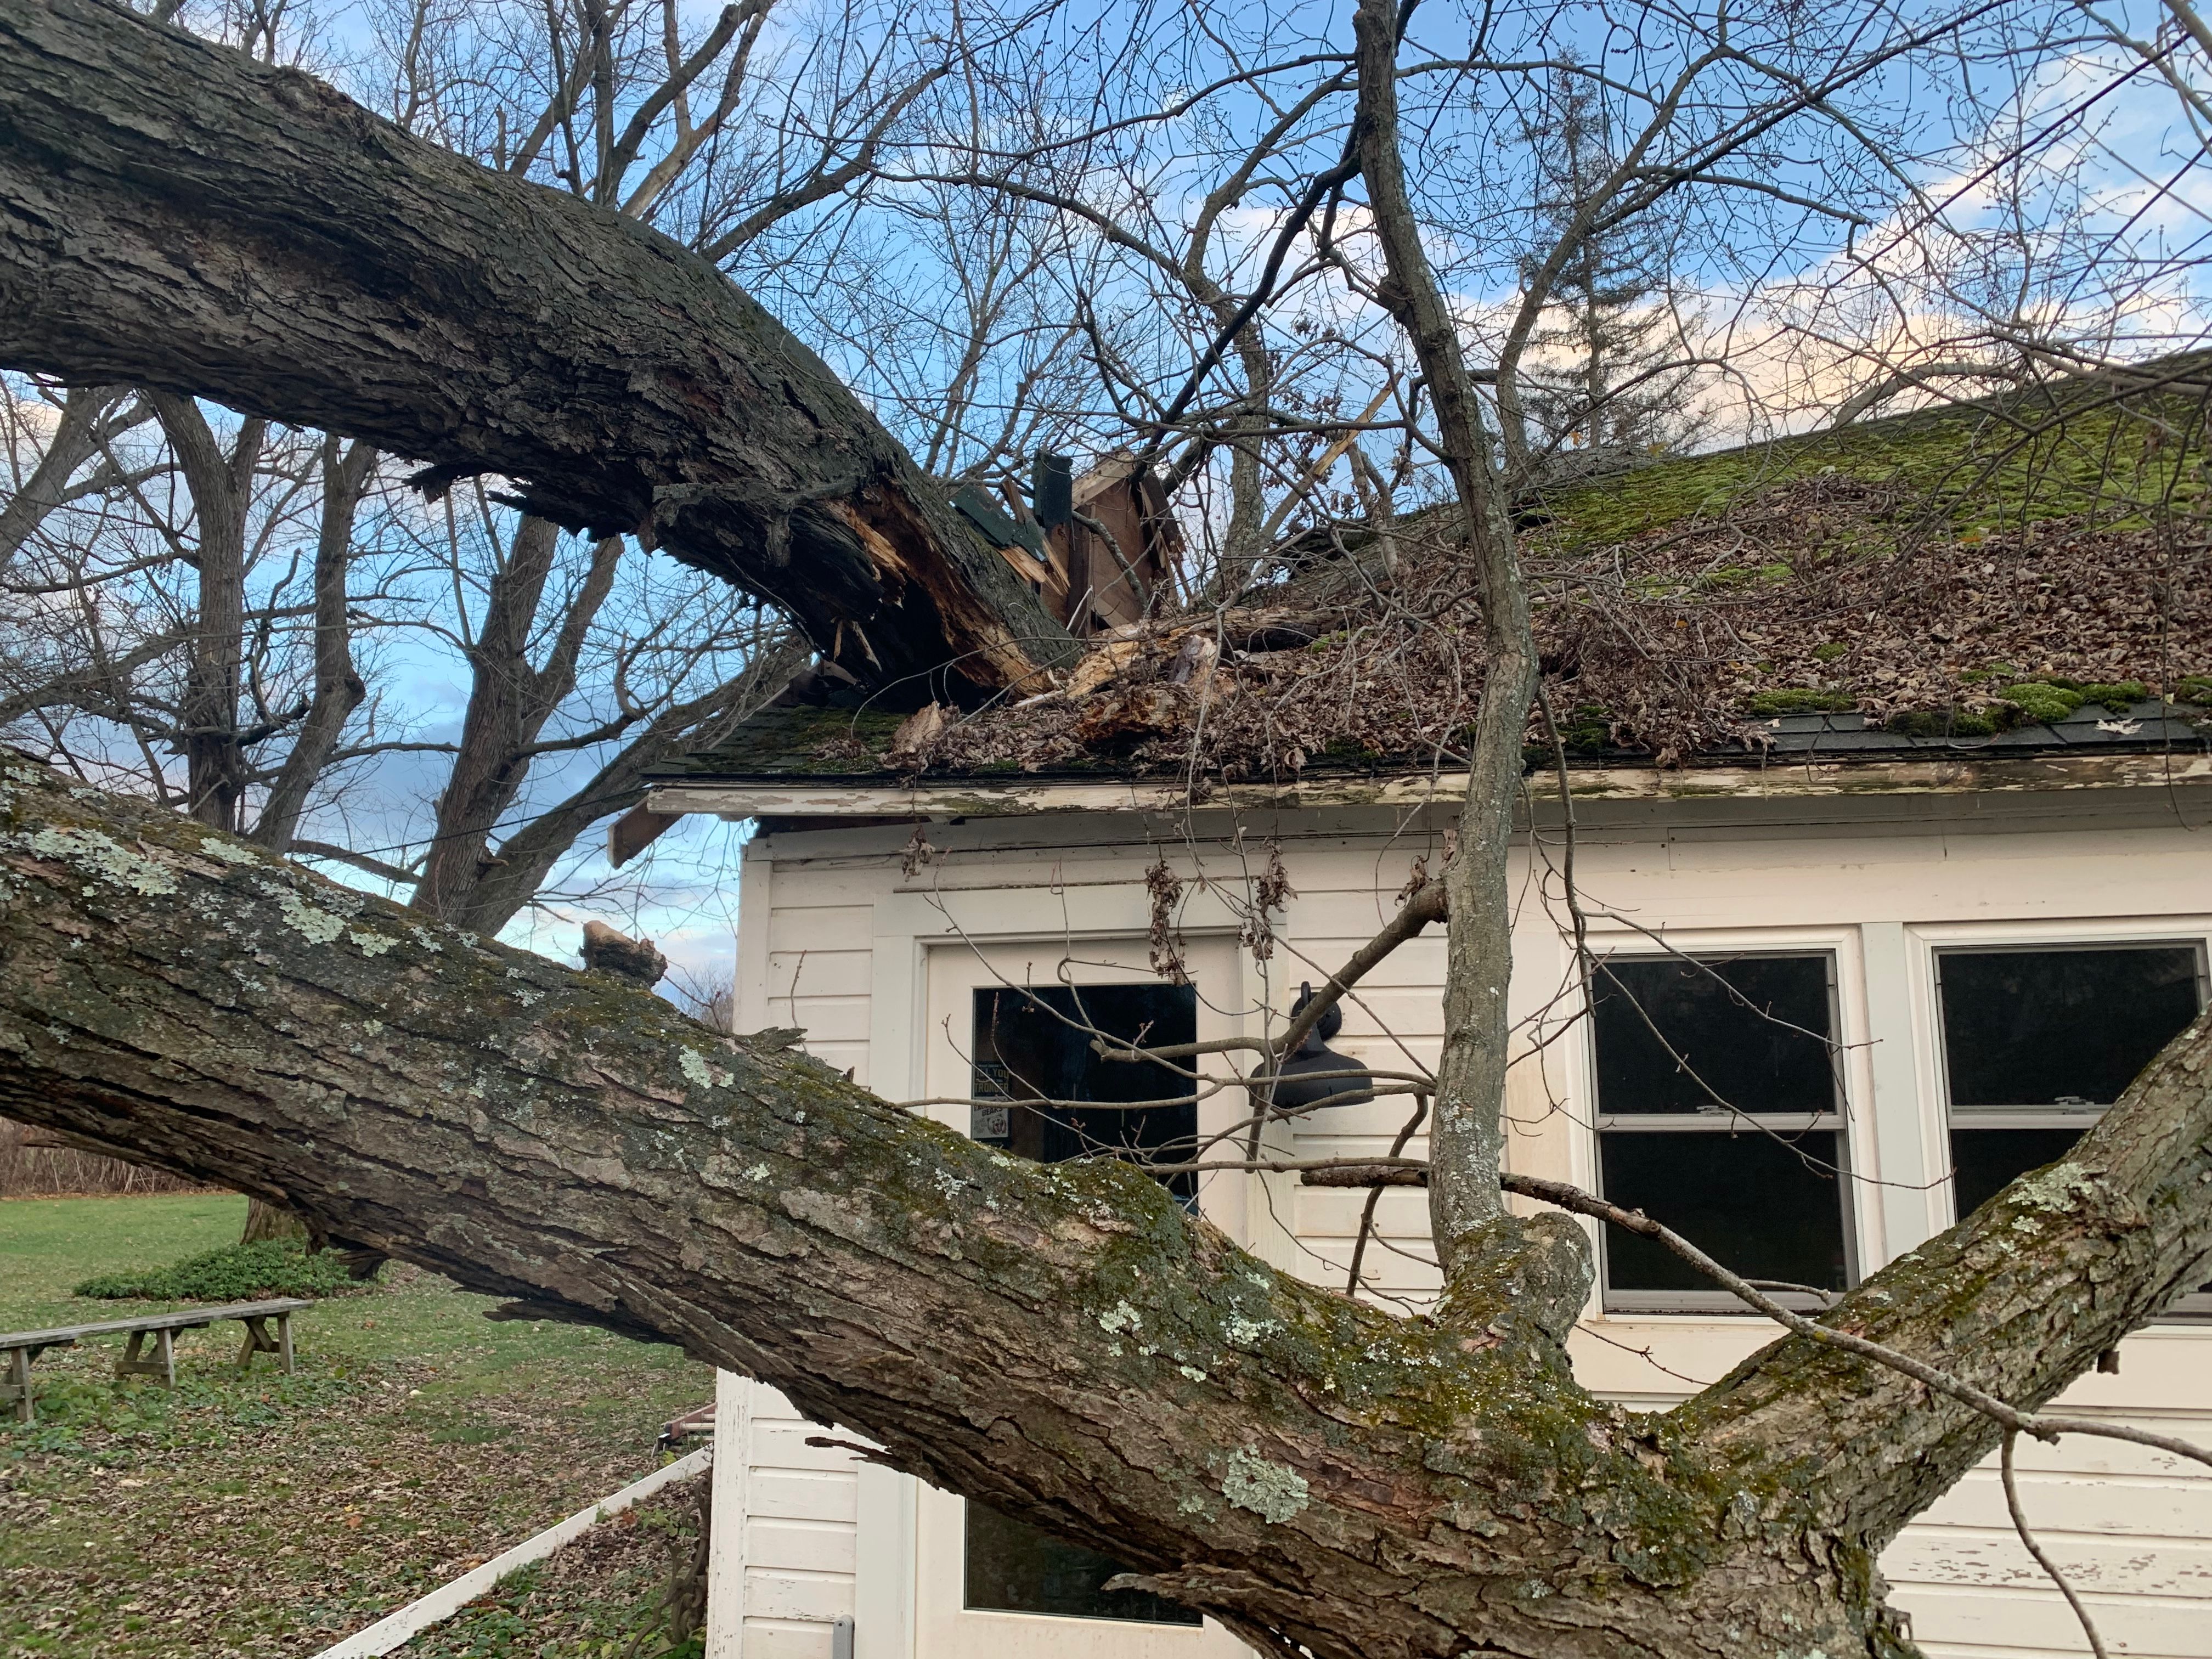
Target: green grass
267, 1515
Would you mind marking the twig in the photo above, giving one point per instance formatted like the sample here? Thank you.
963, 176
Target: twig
2026, 1537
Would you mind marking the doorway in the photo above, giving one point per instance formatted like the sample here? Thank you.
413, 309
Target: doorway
1012, 1028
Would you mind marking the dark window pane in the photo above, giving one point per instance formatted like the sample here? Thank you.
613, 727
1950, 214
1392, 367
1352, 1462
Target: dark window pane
1755, 1029
1035, 1045
1747, 1199
1984, 1161
1014, 1568
2043, 1027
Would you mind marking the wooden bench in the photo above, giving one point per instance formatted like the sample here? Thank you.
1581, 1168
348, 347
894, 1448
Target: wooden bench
20, 1348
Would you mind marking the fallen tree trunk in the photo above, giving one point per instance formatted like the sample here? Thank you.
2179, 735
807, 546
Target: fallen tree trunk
1060, 1342
175, 215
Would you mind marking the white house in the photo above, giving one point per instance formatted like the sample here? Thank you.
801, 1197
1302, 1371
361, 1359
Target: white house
1856, 860
1918, 903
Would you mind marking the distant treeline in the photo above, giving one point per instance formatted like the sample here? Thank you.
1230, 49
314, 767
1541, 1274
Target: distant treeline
32, 1164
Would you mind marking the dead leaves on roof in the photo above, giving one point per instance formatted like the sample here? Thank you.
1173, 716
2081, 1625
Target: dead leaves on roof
1827, 592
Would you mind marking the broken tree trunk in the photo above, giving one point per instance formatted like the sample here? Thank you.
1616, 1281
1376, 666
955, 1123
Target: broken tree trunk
1060, 1342
176, 215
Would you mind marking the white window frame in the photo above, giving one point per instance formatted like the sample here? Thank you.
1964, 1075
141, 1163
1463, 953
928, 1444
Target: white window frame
1929, 940
1864, 1244
1925, 941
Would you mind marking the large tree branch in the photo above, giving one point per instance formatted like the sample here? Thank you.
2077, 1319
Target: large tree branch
1062, 1342
2016, 1301
174, 215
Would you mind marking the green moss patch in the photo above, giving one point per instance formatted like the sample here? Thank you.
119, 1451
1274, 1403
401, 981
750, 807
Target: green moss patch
1799, 700
1994, 464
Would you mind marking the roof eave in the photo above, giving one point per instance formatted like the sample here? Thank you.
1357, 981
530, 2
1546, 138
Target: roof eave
974, 796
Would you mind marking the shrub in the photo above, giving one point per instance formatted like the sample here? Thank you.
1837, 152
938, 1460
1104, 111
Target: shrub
237, 1272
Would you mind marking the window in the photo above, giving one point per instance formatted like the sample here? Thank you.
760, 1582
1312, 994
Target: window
1720, 1115
1032, 1045
2038, 1042
1012, 1567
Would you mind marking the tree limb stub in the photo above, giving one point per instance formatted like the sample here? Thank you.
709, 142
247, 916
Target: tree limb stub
176, 216
1060, 1342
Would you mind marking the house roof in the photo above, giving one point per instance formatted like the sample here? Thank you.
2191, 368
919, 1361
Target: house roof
2020, 578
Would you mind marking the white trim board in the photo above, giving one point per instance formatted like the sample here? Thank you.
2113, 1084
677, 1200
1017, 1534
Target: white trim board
1789, 777
395, 1629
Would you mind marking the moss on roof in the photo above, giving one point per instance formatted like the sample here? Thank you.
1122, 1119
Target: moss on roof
782, 741
2084, 446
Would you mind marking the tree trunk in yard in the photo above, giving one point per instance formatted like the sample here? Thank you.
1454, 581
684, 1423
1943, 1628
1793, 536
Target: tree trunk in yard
176, 216
264, 1220
509, 702
221, 485
347, 470
1060, 1342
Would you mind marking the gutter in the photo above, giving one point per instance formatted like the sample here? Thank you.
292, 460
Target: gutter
980, 798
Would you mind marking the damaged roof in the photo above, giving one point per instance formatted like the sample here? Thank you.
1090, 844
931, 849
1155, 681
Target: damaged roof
2024, 575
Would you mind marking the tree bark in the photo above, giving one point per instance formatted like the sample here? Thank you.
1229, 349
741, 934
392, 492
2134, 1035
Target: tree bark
265, 1221
176, 216
1060, 1342
222, 485
339, 690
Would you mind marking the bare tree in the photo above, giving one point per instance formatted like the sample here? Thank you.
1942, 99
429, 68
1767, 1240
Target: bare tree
1322, 1476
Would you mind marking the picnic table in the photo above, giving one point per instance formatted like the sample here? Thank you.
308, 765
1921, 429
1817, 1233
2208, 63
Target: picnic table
20, 1348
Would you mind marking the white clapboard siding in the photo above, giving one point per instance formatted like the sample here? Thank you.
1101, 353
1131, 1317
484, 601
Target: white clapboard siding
820, 975
831, 938
2129, 1527
785, 1522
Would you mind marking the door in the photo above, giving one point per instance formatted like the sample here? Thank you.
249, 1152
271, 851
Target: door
1013, 1024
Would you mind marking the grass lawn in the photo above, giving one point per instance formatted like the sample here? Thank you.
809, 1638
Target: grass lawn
270, 1515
